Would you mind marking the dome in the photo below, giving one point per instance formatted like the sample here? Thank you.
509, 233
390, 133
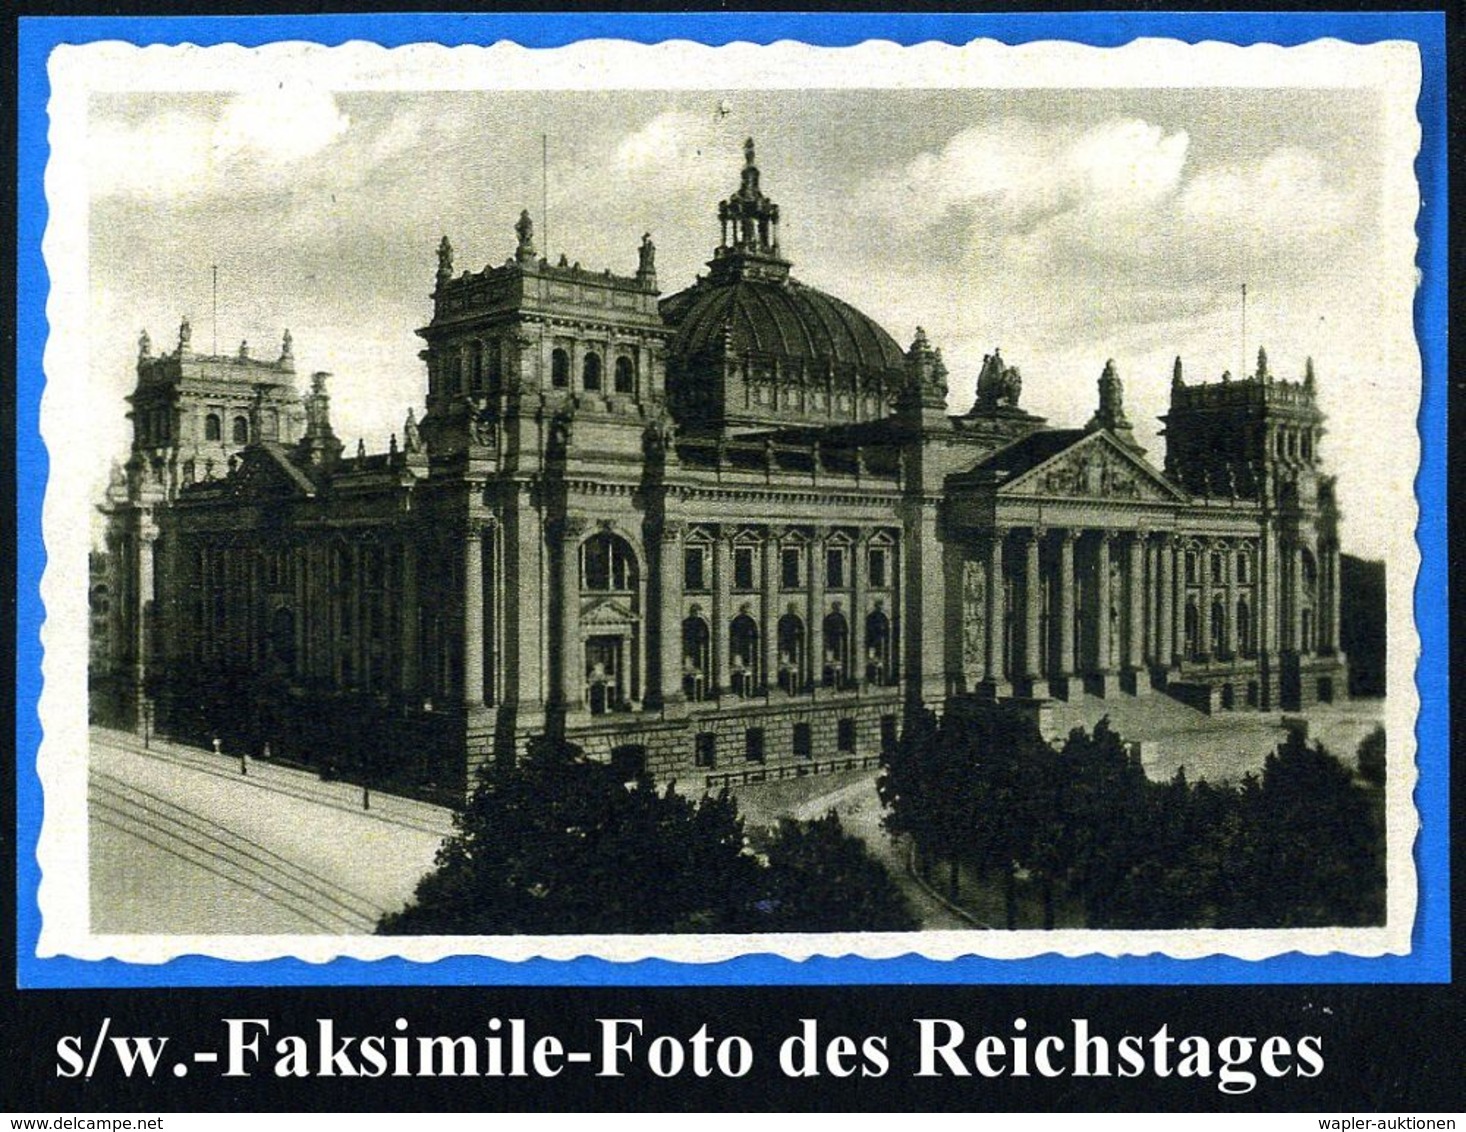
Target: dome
782, 319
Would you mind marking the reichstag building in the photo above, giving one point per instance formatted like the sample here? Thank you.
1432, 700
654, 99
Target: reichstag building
730, 533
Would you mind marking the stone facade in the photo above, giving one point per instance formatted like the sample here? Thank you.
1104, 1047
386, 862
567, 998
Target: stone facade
732, 533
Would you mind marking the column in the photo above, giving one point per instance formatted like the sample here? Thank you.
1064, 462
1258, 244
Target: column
994, 679
1135, 612
722, 609
1166, 592
1035, 686
1230, 580
1103, 602
473, 617
1295, 580
1203, 620
1151, 595
572, 663
1331, 607
858, 642
669, 610
770, 582
816, 566
409, 614
1065, 668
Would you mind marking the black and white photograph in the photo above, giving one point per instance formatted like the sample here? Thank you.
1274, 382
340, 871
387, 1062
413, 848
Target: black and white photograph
669, 501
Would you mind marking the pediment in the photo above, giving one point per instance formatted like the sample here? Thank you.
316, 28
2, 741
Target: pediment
1097, 467
607, 612
260, 475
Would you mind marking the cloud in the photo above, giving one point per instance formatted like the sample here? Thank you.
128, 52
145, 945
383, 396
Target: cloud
256, 139
279, 125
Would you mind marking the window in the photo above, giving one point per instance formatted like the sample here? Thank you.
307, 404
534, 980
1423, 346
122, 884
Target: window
694, 568
1191, 567
836, 667
590, 373
835, 568
1218, 569
888, 733
241, 430
475, 366
743, 655
213, 427
629, 761
496, 366
877, 563
791, 653
743, 567
789, 568
845, 735
878, 668
753, 745
625, 376
803, 741
607, 564
1244, 628
560, 369
1242, 566
705, 749
696, 654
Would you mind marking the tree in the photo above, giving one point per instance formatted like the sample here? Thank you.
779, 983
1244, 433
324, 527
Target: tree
561, 844
1371, 757
821, 879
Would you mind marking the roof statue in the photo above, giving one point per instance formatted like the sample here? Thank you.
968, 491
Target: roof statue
525, 231
411, 440
1308, 379
1262, 371
998, 385
185, 335
445, 260
287, 347
646, 265
144, 345
1178, 379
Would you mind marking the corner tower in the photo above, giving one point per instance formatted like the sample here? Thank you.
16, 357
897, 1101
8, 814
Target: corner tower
1259, 439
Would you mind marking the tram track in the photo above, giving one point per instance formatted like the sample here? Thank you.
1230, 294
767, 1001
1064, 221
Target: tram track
318, 795
173, 829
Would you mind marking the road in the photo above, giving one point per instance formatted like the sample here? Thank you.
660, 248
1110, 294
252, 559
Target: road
182, 843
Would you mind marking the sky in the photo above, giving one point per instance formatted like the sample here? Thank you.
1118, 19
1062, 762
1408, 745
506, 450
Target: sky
1066, 227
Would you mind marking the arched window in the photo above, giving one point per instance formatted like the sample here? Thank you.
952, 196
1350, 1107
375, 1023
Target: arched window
496, 367
791, 653
560, 370
835, 671
696, 656
878, 668
213, 427
743, 655
241, 430
1308, 600
590, 373
625, 376
475, 366
607, 564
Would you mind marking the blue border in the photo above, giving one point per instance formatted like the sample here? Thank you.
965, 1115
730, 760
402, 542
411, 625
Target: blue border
1429, 960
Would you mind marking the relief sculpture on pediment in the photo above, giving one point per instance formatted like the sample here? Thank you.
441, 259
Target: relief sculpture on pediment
1092, 474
